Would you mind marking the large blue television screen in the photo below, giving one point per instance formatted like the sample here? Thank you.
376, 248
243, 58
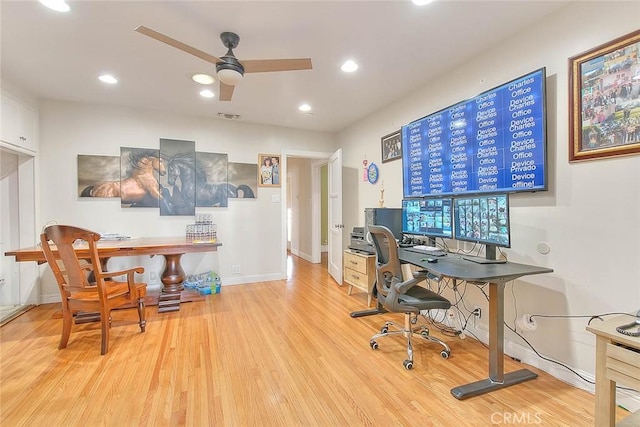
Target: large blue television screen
494, 142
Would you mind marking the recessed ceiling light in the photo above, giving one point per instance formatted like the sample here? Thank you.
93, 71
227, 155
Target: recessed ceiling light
421, 2
349, 66
207, 93
305, 108
108, 78
203, 79
57, 5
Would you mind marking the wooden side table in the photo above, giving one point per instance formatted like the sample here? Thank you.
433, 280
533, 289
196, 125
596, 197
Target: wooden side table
617, 361
360, 271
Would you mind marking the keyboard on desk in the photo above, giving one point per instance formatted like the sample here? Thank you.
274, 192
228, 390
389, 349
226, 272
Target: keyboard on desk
427, 250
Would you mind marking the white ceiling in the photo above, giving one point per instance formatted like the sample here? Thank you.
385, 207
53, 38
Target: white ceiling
399, 47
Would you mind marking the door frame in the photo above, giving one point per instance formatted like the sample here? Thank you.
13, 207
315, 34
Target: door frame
320, 158
29, 292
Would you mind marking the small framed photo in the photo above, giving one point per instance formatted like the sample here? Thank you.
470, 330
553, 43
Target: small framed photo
391, 146
604, 100
269, 173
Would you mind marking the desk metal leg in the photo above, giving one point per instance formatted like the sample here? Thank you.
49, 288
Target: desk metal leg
370, 312
497, 378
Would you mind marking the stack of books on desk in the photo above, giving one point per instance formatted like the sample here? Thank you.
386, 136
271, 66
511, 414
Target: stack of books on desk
113, 236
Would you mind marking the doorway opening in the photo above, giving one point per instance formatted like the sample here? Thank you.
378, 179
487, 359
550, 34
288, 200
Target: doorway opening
17, 229
302, 215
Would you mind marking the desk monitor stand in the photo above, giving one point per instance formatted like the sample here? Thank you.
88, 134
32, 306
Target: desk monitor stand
490, 258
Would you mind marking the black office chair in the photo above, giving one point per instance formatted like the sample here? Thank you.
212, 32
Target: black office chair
399, 296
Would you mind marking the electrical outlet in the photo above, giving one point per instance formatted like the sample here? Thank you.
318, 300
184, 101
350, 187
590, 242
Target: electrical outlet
235, 269
477, 315
451, 318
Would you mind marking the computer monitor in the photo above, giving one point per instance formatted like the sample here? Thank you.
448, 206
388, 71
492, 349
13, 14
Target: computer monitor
388, 217
483, 219
431, 217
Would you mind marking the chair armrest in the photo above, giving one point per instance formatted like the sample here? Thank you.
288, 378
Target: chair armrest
131, 282
403, 287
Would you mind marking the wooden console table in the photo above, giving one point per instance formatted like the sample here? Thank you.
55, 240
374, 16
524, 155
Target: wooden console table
617, 360
172, 248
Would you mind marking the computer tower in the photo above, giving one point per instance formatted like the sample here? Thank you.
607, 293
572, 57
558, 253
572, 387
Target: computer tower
388, 217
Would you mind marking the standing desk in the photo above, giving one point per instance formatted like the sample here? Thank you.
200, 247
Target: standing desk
497, 275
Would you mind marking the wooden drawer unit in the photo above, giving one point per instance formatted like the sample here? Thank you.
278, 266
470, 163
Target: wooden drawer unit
623, 365
359, 271
617, 362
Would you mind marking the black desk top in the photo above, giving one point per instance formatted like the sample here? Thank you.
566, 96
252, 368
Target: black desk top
455, 267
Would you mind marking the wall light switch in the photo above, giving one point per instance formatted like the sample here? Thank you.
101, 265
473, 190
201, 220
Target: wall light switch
275, 198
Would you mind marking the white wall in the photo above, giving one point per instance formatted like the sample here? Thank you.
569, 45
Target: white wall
250, 230
301, 193
591, 214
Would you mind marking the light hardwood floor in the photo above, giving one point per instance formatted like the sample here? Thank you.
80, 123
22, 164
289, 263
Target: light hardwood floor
280, 353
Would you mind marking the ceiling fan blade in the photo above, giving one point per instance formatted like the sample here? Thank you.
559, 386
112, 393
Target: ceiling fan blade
266, 65
177, 44
226, 91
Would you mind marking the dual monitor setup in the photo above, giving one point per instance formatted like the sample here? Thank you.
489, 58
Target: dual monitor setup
480, 219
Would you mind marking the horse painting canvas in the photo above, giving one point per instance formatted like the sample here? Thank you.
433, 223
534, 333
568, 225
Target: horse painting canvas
187, 175
244, 176
178, 186
175, 178
138, 185
94, 170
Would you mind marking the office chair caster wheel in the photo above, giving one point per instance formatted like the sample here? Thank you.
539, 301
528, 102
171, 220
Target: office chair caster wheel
374, 345
384, 330
408, 365
445, 354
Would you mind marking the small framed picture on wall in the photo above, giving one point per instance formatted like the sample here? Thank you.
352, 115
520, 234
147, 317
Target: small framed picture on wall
269, 170
391, 146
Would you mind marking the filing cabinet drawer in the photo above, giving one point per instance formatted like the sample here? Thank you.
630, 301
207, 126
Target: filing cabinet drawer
355, 262
623, 365
356, 278
359, 271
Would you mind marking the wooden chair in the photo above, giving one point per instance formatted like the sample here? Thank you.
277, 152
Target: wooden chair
77, 293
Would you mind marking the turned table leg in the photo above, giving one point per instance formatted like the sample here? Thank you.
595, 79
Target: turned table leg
172, 278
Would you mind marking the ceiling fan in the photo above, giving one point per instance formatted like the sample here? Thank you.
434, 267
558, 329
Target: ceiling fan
230, 69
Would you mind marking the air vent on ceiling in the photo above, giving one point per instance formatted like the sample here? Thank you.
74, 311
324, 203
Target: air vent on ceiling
228, 116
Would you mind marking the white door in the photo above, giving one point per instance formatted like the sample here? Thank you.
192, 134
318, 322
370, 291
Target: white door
335, 216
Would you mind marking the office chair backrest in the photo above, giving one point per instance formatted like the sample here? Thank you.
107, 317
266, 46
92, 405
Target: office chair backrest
387, 261
70, 273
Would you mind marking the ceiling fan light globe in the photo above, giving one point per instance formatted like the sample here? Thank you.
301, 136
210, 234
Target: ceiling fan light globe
229, 77
57, 5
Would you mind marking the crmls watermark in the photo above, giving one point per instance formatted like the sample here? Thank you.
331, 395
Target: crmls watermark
516, 418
